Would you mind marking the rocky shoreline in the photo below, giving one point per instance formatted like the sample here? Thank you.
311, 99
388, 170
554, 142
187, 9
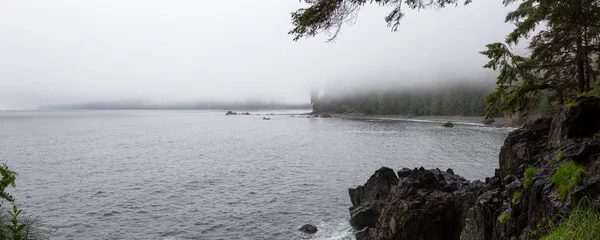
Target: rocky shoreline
523, 200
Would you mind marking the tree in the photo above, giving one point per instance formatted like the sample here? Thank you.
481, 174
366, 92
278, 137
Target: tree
330, 15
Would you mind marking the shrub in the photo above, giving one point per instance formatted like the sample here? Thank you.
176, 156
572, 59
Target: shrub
529, 174
581, 224
504, 217
566, 177
516, 197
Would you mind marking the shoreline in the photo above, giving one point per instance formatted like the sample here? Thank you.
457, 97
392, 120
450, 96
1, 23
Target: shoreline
460, 120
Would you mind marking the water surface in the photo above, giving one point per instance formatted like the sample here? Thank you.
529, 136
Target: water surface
204, 175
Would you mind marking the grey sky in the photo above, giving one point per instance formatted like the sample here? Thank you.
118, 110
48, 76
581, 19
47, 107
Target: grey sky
67, 51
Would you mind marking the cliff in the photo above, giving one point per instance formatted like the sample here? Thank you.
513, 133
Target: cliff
546, 168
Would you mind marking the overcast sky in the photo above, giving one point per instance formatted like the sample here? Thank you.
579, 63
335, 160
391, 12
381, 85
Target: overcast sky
73, 51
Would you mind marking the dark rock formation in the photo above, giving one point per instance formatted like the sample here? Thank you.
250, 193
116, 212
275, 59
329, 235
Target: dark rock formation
246, 113
448, 125
326, 115
579, 121
367, 199
308, 229
432, 204
489, 121
425, 204
522, 146
230, 113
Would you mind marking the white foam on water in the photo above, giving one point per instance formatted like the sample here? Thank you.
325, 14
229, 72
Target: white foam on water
339, 230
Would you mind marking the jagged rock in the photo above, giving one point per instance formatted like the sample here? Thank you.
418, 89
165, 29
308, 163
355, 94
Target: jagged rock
308, 229
431, 204
448, 125
246, 113
489, 121
366, 199
426, 204
578, 120
522, 145
230, 113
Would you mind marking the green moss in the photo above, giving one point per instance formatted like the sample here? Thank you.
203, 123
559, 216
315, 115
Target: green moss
516, 197
529, 174
592, 94
581, 224
504, 217
561, 156
514, 238
566, 177
571, 104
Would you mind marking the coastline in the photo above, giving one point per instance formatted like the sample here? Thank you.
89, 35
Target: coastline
461, 120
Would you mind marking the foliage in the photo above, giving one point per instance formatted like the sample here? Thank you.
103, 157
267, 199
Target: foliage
8, 179
504, 217
529, 174
560, 59
330, 15
454, 100
516, 197
15, 226
566, 177
514, 238
582, 223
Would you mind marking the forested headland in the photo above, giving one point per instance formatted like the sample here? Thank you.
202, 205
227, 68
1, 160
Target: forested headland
463, 98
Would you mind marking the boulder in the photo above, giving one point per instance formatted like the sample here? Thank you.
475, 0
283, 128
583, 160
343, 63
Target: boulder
308, 229
230, 113
489, 121
448, 125
366, 200
426, 204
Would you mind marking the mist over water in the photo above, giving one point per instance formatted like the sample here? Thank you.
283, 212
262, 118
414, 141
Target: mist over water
201, 174
82, 51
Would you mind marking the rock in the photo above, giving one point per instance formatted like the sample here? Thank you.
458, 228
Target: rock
308, 229
246, 113
489, 121
522, 145
266, 118
426, 204
578, 121
448, 125
230, 113
435, 204
326, 115
366, 200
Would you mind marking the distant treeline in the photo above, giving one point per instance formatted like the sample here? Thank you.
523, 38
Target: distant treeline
248, 105
459, 99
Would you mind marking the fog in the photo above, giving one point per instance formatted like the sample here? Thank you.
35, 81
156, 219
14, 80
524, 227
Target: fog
78, 51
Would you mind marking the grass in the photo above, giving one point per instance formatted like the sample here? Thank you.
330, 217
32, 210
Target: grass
516, 197
566, 177
581, 224
504, 217
529, 174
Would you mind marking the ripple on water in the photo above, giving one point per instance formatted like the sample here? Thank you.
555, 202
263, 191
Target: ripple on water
190, 174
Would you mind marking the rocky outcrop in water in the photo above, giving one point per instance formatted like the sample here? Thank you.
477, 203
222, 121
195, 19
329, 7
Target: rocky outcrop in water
308, 229
433, 204
448, 125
